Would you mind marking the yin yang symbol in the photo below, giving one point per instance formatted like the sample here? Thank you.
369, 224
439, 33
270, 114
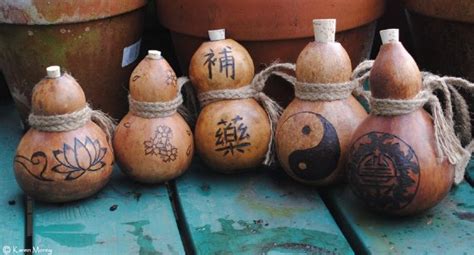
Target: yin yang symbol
314, 149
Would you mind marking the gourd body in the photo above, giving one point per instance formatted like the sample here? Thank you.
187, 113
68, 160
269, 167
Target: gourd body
63, 166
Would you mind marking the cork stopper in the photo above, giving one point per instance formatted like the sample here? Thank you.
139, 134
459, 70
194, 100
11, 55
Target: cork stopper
389, 35
324, 30
57, 94
154, 54
53, 72
153, 81
216, 34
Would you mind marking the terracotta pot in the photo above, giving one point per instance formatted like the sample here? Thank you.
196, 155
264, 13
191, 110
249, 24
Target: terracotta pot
95, 40
270, 30
443, 31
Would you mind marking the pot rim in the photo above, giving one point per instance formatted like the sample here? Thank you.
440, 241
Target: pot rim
455, 10
40, 12
251, 23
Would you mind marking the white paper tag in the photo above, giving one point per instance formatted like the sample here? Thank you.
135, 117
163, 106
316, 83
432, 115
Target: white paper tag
130, 53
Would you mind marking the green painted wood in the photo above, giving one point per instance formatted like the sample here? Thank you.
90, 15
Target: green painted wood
12, 211
255, 213
124, 218
446, 229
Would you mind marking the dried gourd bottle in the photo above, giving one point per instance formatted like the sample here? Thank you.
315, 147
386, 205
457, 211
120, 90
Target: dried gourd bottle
152, 147
61, 166
313, 135
230, 135
393, 165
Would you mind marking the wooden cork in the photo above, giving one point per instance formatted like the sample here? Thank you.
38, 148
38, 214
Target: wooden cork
324, 30
389, 35
53, 72
154, 54
216, 34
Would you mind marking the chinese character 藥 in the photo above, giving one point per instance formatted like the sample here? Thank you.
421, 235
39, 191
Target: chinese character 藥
231, 136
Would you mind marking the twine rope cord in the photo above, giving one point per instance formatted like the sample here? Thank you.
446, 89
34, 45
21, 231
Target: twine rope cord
336, 91
255, 90
72, 121
151, 110
252, 90
447, 144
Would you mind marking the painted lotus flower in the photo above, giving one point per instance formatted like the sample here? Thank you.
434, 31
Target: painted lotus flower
77, 160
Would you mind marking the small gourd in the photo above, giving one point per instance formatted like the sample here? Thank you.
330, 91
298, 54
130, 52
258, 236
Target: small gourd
230, 135
153, 149
61, 166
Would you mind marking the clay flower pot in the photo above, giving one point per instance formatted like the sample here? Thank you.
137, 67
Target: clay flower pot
97, 40
443, 32
270, 30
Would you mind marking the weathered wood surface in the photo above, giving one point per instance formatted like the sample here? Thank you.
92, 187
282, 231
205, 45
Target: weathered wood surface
447, 228
12, 210
255, 213
124, 218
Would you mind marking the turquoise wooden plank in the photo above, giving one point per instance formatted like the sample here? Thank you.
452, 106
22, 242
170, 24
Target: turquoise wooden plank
255, 213
124, 218
446, 229
12, 211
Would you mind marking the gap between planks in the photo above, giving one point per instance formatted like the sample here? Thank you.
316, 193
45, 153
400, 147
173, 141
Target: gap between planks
28, 225
351, 236
180, 219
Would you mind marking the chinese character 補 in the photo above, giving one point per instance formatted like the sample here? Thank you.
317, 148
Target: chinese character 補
231, 136
226, 62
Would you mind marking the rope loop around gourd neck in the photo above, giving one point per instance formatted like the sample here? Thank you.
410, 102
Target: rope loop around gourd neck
447, 143
255, 90
336, 91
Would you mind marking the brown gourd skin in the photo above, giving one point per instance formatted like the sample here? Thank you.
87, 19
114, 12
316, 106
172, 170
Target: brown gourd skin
258, 128
253, 116
319, 63
158, 149
395, 75
83, 159
134, 131
199, 73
